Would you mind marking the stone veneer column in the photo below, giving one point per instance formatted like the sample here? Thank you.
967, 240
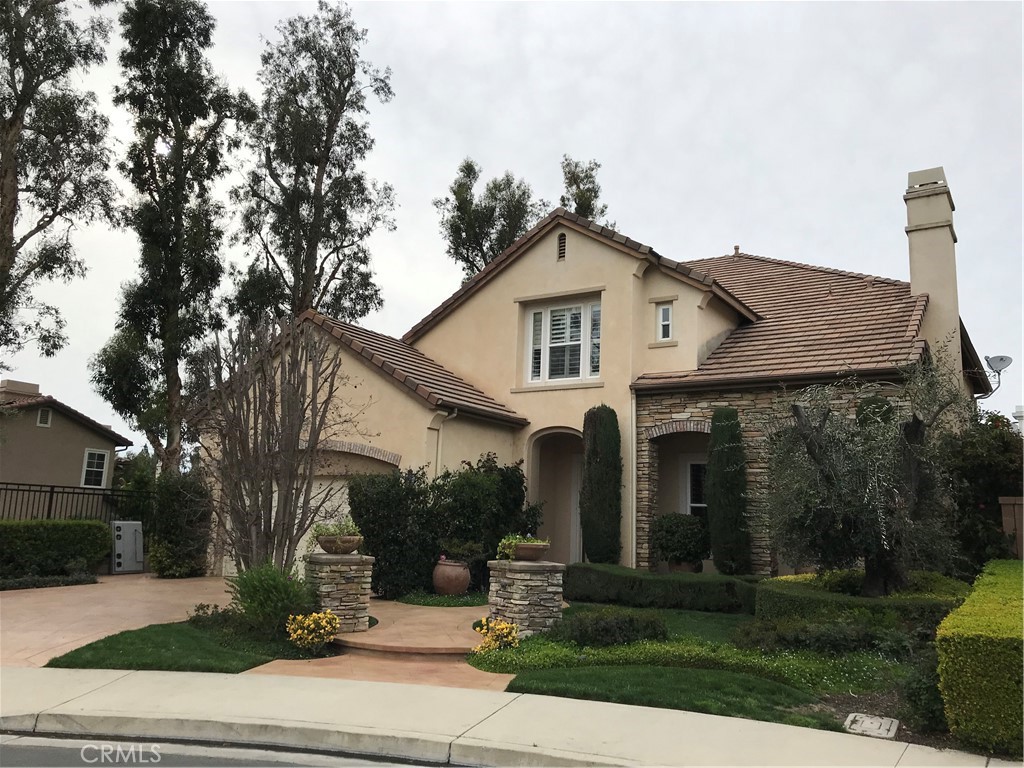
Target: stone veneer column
342, 586
526, 593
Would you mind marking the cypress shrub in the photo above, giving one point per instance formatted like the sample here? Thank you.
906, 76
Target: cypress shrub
601, 487
180, 527
726, 494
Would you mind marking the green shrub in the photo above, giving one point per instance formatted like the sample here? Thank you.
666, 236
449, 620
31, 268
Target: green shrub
37, 582
609, 625
599, 583
857, 630
180, 528
265, 596
51, 547
726, 494
601, 486
803, 597
981, 652
680, 538
919, 693
393, 512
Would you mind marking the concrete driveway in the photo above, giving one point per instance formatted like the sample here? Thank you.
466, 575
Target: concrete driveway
38, 624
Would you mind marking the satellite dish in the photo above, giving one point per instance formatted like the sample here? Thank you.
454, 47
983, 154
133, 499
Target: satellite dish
999, 363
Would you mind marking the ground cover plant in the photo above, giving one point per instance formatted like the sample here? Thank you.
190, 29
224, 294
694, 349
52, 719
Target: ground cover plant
422, 597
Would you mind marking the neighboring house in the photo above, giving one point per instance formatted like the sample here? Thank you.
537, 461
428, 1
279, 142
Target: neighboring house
45, 442
574, 314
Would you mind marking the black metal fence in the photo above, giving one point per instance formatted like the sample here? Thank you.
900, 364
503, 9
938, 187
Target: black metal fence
22, 501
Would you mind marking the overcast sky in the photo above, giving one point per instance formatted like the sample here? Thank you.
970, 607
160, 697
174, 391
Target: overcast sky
786, 128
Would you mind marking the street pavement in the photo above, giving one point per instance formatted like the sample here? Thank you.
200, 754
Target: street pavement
419, 723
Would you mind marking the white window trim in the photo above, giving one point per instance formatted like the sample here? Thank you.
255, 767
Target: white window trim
686, 460
659, 323
85, 466
586, 305
39, 418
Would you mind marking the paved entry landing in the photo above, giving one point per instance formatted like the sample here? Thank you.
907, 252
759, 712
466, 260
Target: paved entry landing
409, 644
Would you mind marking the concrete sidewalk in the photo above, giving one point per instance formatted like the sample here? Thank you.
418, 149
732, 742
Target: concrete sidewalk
418, 722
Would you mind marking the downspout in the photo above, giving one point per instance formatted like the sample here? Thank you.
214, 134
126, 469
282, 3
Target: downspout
438, 439
631, 559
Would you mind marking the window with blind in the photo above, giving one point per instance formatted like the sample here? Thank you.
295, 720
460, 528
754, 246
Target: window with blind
94, 469
565, 342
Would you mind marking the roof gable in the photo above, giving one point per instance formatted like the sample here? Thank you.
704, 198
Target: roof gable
592, 229
422, 377
24, 402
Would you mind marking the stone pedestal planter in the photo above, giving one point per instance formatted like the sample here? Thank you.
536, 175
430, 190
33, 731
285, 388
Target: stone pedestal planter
342, 586
527, 594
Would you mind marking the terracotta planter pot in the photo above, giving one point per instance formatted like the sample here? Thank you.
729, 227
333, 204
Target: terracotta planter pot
451, 577
339, 545
529, 551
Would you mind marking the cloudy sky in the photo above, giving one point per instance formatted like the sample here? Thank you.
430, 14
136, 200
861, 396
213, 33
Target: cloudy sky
785, 128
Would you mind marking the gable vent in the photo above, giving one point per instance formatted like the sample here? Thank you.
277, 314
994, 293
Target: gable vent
43, 419
561, 246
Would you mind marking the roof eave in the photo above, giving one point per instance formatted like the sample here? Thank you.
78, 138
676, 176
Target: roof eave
762, 382
972, 366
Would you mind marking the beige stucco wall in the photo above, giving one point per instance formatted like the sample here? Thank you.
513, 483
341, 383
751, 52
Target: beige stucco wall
51, 455
485, 340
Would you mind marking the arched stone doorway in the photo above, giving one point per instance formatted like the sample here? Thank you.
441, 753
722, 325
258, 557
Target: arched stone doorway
556, 471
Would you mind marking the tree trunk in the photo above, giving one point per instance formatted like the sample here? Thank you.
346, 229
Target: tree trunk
883, 574
8, 202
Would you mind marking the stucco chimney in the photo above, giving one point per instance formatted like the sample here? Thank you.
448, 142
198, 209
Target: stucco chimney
9, 389
932, 243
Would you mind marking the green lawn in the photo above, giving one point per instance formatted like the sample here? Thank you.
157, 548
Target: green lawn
444, 601
714, 692
178, 647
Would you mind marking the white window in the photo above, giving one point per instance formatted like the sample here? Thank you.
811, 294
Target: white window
663, 315
94, 469
565, 342
692, 487
44, 417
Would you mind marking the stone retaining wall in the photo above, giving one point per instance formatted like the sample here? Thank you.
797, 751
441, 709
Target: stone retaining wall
527, 594
342, 586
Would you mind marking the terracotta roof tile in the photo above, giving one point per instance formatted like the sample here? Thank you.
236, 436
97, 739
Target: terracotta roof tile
422, 376
815, 321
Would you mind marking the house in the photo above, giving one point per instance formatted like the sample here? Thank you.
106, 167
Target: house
574, 314
46, 442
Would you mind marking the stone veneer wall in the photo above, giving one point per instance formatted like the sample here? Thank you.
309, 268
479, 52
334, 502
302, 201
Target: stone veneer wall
664, 413
526, 593
342, 586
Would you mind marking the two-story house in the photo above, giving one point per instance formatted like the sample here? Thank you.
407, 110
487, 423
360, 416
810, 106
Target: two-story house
574, 315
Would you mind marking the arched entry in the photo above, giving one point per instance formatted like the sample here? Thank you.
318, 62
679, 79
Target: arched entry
556, 471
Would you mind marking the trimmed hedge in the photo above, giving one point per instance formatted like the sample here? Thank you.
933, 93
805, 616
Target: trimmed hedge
601, 486
610, 625
51, 547
601, 583
798, 598
39, 582
980, 659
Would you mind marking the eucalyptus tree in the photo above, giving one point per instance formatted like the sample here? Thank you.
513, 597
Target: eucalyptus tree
308, 207
183, 117
582, 191
53, 161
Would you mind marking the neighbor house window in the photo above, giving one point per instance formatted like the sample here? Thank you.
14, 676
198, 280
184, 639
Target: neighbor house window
664, 321
94, 469
43, 419
565, 342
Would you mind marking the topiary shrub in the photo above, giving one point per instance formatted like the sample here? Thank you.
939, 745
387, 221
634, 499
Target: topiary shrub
180, 527
680, 538
857, 630
51, 547
601, 486
726, 494
393, 511
981, 653
265, 596
609, 626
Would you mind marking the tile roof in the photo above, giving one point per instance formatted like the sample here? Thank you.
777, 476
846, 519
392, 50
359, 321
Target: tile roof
19, 401
562, 216
816, 322
423, 377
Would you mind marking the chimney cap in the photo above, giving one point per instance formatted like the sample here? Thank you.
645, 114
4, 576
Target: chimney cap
929, 177
13, 386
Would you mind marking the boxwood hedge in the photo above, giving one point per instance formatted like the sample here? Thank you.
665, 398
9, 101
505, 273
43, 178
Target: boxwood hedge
599, 583
51, 547
808, 598
980, 660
